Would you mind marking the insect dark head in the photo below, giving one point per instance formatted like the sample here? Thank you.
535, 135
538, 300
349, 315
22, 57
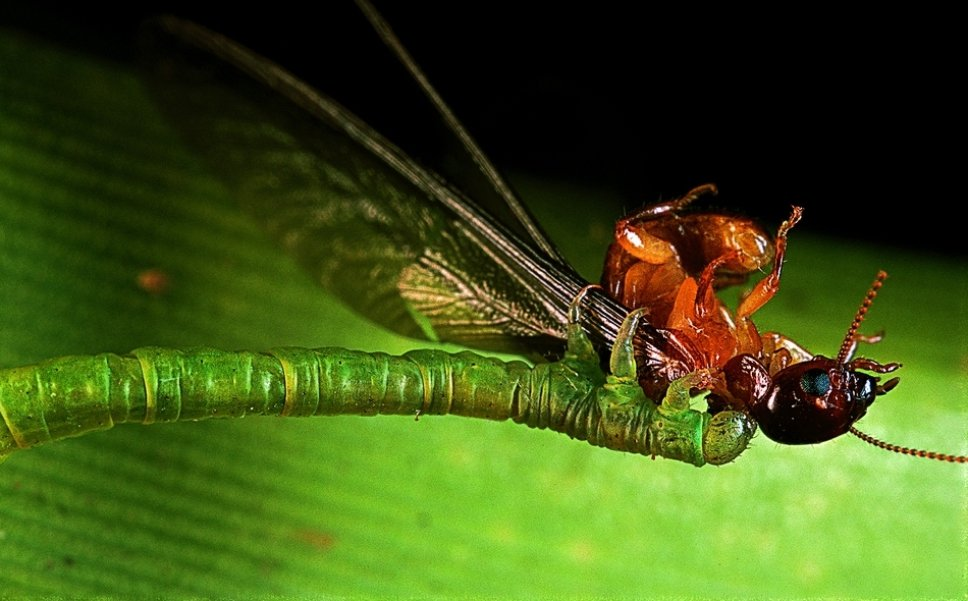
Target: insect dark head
817, 400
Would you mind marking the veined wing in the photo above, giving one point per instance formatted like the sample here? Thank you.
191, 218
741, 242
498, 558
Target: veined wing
388, 237
514, 212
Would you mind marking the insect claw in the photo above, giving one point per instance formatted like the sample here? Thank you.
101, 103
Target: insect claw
579, 346
575, 308
796, 213
622, 362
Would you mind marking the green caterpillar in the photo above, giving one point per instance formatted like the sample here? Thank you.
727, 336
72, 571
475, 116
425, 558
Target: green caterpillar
70, 396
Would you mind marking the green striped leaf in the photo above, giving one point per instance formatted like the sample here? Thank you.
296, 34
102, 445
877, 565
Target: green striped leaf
95, 190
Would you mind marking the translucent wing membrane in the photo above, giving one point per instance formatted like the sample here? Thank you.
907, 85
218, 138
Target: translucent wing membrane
388, 237
517, 216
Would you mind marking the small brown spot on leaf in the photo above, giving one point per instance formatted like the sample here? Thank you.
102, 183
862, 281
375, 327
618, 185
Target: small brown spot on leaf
154, 281
322, 541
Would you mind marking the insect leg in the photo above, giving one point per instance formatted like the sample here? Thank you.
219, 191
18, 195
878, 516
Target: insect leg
768, 286
724, 435
679, 393
671, 206
658, 248
643, 267
579, 347
622, 361
627, 415
634, 233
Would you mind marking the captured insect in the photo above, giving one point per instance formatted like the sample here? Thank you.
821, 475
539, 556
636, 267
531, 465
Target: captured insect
410, 251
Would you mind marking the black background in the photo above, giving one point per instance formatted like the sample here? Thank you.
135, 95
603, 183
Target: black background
856, 116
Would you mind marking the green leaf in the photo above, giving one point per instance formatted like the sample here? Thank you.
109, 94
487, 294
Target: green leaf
95, 190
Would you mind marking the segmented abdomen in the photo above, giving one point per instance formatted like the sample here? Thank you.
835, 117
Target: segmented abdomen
70, 396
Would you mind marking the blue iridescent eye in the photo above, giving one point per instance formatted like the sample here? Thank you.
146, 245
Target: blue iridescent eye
815, 382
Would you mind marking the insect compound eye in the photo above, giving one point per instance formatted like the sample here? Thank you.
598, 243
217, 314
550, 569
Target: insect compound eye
815, 382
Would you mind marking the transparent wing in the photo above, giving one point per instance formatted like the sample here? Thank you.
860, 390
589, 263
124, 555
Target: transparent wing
392, 240
516, 214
